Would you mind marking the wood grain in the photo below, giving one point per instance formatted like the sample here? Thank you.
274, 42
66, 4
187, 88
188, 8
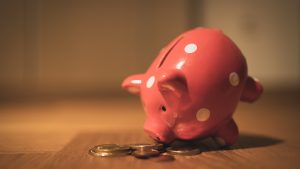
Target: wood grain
58, 134
252, 151
25, 160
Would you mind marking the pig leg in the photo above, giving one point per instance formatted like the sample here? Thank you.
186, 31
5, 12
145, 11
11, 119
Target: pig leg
228, 134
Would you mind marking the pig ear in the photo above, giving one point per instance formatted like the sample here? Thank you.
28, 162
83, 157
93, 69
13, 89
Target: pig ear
133, 84
252, 90
173, 86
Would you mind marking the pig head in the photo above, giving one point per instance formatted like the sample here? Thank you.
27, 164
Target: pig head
193, 87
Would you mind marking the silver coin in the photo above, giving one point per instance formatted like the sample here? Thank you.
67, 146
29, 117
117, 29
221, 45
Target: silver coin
107, 154
111, 147
145, 153
106, 150
164, 157
157, 146
182, 143
183, 151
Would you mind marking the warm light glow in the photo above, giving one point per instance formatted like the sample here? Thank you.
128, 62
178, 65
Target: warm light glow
136, 81
180, 64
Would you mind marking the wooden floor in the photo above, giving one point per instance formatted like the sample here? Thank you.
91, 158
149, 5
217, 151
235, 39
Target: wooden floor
57, 133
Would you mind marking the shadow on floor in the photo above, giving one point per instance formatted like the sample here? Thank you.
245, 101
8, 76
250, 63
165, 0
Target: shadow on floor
247, 140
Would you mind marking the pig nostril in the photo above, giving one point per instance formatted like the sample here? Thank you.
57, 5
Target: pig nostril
154, 136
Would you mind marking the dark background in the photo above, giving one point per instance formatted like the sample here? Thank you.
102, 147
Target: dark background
87, 47
62, 63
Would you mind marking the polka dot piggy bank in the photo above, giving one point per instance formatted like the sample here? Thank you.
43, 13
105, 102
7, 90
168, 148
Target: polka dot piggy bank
193, 86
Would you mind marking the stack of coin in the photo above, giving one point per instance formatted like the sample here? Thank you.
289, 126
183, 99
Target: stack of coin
183, 147
145, 151
157, 151
142, 146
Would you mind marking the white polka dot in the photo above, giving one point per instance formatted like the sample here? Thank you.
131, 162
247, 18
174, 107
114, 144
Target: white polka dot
203, 114
150, 82
234, 79
190, 48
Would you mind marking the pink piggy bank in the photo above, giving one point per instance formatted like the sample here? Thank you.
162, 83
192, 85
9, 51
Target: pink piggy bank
193, 87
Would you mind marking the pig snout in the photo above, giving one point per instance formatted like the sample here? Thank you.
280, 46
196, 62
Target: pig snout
159, 132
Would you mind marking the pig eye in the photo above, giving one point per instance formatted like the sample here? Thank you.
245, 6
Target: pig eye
163, 108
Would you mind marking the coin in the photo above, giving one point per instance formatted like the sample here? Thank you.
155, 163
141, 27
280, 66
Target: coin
145, 153
164, 157
107, 154
183, 150
182, 143
106, 150
100, 154
157, 146
111, 147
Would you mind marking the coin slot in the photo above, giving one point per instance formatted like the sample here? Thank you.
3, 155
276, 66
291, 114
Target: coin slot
167, 54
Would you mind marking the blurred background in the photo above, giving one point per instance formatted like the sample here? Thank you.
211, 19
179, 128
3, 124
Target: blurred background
85, 48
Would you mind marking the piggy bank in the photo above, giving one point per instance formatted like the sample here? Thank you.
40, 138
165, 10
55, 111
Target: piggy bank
193, 86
